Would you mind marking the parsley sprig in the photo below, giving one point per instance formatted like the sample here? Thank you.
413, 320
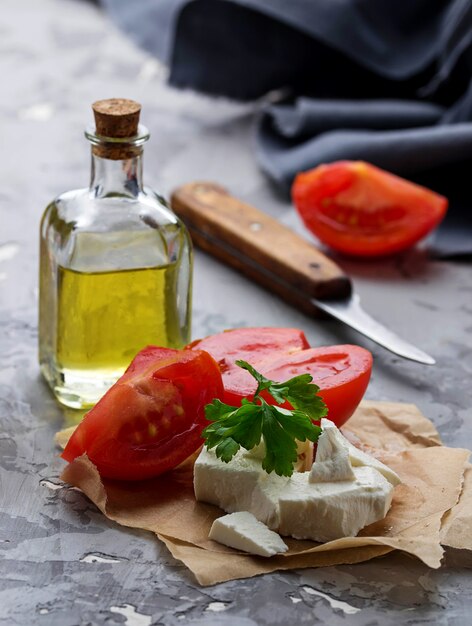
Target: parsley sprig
234, 427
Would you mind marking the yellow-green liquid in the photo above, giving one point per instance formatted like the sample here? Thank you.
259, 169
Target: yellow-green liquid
105, 318
101, 320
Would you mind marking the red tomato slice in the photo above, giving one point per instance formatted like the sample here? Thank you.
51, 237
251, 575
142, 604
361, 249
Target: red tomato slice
249, 344
152, 418
361, 210
341, 372
146, 357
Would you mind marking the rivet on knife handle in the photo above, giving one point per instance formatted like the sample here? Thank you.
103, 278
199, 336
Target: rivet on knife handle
260, 243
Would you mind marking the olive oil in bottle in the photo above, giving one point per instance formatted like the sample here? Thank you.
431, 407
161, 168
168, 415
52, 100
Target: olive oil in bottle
115, 267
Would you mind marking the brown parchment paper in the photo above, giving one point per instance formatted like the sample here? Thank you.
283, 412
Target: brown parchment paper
433, 505
456, 528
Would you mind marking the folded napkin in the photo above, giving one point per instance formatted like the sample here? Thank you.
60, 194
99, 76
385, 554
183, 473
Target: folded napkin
379, 80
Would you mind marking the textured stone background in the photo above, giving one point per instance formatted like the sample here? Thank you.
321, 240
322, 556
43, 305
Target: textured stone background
62, 563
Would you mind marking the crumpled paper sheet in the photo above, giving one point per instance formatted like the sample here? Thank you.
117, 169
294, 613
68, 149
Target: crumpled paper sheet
432, 506
456, 528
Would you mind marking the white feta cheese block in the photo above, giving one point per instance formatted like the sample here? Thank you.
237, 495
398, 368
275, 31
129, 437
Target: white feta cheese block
326, 511
240, 485
362, 459
244, 532
332, 500
265, 498
228, 485
332, 461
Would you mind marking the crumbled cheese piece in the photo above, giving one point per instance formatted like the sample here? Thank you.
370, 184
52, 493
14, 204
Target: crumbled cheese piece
362, 459
326, 511
244, 532
332, 462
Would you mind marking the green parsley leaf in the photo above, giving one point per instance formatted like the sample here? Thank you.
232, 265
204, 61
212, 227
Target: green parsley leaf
299, 391
226, 449
244, 426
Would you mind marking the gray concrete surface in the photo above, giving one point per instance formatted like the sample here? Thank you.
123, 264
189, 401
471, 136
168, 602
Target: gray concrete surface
62, 563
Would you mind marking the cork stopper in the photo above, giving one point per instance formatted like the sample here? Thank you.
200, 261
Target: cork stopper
116, 118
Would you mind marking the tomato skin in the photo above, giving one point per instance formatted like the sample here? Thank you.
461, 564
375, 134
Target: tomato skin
239, 343
152, 418
342, 373
361, 210
248, 344
145, 358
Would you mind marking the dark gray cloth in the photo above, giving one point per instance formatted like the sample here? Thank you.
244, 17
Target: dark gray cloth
384, 81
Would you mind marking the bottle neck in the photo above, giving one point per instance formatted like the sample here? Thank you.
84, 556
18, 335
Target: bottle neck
116, 177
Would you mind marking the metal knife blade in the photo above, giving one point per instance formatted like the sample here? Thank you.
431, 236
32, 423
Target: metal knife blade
350, 312
276, 257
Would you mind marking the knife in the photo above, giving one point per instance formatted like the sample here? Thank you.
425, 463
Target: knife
277, 258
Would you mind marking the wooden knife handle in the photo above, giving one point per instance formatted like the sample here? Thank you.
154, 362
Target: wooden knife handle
258, 245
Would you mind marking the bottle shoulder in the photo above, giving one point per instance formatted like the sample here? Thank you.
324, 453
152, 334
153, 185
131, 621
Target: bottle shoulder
84, 231
84, 210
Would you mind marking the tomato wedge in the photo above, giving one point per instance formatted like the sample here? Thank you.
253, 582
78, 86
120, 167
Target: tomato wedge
249, 344
152, 418
359, 209
239, 343
342, 372
146, 357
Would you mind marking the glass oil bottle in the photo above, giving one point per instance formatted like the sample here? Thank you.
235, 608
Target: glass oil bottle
115, 266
